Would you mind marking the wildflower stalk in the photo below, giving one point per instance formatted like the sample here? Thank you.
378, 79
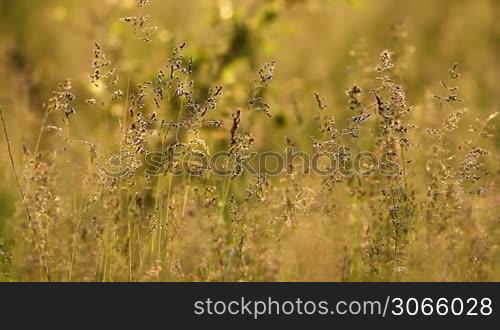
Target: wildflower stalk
404, 168
40, 133
227, 187
23, 199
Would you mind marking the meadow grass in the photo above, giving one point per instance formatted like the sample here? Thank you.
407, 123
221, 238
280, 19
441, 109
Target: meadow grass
82, 203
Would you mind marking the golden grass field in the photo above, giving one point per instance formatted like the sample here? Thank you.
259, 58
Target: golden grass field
101, 102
